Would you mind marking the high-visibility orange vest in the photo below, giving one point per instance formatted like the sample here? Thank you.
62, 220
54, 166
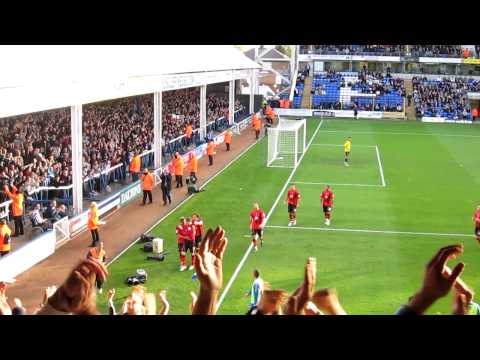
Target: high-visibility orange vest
179, 165
93, 219
17, 201
228, 137
210, 148
254, 119
188, 131
136, 164
147, 182
193, 165
5, 233
474, 112
257, 125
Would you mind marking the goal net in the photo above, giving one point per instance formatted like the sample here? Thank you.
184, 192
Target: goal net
286, 143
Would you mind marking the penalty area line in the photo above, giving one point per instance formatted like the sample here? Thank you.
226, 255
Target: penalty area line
369, 231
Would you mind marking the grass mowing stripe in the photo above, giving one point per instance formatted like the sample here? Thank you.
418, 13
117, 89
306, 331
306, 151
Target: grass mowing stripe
338, 145
330, 183
184, 201
400, 133
270, 212
393, 232
380, 166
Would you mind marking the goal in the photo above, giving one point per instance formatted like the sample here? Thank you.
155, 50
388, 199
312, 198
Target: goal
286, 143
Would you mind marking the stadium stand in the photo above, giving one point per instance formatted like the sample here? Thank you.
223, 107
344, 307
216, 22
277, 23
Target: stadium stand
377, 50
341, 90
445, 51
443, 97
35, 149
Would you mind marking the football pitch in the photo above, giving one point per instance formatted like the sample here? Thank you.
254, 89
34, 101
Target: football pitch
411, 188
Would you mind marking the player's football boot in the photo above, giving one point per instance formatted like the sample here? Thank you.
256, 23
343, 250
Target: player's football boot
290, 224
183, 268
190, 267
255, 248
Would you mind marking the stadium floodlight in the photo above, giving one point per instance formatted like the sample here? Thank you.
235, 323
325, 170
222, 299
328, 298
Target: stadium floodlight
286, 143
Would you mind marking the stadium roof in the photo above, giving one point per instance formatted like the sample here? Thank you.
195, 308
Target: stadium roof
36, 78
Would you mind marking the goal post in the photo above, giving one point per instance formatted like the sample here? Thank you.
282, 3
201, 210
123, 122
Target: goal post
286, 143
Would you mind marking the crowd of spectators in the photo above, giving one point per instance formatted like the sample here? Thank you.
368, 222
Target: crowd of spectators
449, 51
77, 295
35, 149
378, 50
182, 107
114, 130
443, 97
389, 92
446, 51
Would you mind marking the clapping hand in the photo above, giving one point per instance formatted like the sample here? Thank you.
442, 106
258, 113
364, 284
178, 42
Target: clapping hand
299, 299
208, 266
208, 260
4, 307
77, 294
436, 284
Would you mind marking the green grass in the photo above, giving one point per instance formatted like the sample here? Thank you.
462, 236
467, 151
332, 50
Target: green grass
432, 179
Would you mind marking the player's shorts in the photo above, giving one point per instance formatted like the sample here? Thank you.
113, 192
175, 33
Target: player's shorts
477, 230
181, 247
347, 153
259, 232
292, 208
198, 240
327, 209
189, 245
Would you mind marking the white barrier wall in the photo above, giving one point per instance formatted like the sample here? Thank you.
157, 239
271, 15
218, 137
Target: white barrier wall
23, 258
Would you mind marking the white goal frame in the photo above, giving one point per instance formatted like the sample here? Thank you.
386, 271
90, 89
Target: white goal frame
286, 143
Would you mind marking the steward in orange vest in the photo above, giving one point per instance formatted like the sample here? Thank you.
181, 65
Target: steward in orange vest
135, 166
147, 186
5, 240
228, 138
193, 166
210, 152
17, 208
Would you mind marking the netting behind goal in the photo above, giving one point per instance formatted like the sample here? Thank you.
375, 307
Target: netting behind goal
286, 143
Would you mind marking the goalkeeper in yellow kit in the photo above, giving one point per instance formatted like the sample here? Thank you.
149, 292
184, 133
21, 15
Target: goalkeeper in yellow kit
347, 147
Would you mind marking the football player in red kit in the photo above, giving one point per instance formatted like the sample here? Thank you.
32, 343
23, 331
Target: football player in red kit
327, 202
182, 236
476, 219
190, 241
293, 198
199, 232
257, 222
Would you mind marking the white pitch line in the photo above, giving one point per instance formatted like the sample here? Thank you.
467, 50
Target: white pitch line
270, 212
380, 166
334, 184
183, 202
398, 133
338, 145
392, 232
